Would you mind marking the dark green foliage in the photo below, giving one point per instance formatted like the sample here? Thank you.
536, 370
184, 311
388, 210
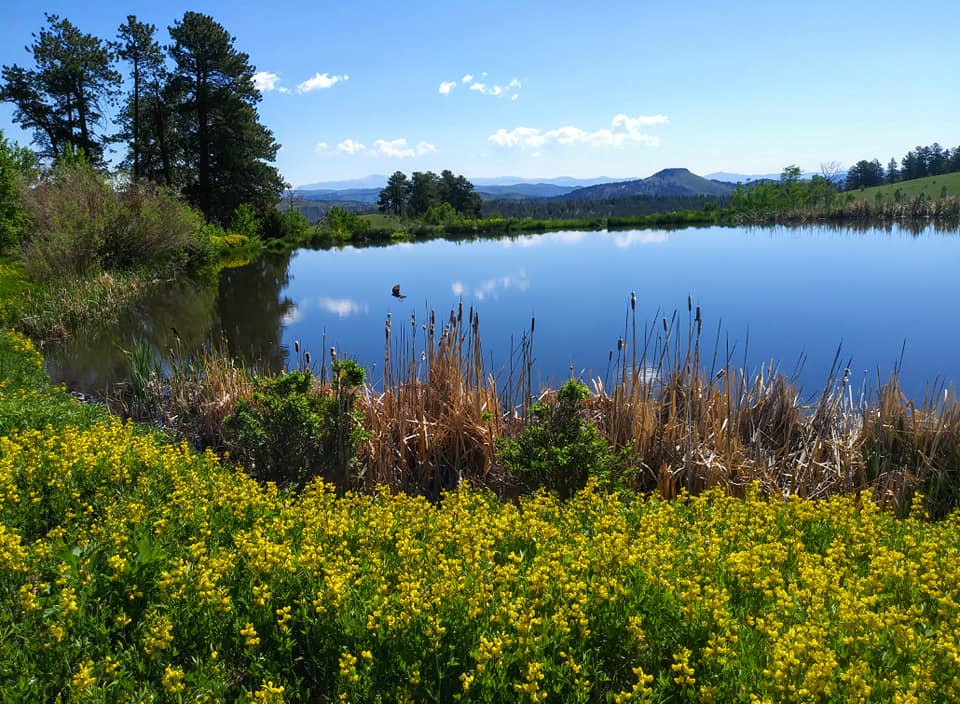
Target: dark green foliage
864, 174
560, 449
288, 432
393, 198
138, 47
64, 97
425, 191
289, 225
224, 146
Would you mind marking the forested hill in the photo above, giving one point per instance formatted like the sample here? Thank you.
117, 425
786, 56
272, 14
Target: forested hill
667, 183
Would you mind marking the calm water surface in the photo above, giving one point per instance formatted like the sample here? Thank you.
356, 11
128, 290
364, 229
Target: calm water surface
775, 293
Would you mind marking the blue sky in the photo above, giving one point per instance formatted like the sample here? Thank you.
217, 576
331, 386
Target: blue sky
542, 89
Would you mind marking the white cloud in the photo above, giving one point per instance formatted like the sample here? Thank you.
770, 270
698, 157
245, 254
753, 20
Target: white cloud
265, 81
479, 87
626, 131
348, 146
321, 81
515, 83
468, 78
321, 147
458, 288
398, 148
518, 137
447, 86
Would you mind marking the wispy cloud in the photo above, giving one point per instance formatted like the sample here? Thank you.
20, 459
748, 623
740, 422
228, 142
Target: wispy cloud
348, 146
398, 148
484, 87
624, 130
321, 148
321, 81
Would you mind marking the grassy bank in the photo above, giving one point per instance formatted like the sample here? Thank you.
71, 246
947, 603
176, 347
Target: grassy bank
930, 187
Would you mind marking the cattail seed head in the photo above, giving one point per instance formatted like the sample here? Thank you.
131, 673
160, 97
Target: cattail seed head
633, 300
296, 346
306, 357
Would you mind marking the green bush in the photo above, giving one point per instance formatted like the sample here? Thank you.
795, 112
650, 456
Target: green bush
16, 170
560, 449
83, 222
290, 432
343, 225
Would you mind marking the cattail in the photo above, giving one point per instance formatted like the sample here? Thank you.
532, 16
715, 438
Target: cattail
306, 357
296, 346
333, 354
533, 323
633, 300
689, 303
664, 323
619, 344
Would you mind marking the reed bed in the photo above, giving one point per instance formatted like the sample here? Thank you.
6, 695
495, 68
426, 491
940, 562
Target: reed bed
677, 418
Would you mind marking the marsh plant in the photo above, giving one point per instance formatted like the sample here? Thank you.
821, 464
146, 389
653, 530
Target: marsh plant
290, 430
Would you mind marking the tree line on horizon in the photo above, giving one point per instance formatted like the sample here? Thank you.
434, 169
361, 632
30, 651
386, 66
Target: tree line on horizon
425, 191
932, 160
186, 118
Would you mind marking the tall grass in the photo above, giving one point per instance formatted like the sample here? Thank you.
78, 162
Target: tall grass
677, 417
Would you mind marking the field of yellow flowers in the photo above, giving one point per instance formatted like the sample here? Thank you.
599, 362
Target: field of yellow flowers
136, 570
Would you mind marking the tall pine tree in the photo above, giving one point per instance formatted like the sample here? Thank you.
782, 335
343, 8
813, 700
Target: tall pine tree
64, 97
226, 151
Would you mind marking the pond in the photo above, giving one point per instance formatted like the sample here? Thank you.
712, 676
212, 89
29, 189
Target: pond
790, 295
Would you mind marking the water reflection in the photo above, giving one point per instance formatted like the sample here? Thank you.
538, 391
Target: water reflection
493, 287
252, 308
177, 316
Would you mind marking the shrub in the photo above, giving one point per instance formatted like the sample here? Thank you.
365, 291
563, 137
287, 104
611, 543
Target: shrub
289, 432
343, 225
560, 449
83, 222
16, 167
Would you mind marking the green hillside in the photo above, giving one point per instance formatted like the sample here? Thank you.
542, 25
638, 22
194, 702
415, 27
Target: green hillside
931, 186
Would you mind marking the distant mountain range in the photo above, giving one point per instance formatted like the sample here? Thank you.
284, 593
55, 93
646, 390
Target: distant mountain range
673, 183
516, 191
379, 181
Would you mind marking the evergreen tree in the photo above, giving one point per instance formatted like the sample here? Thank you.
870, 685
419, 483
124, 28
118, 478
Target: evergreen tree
63, 99
136, 45
424, 192
393, 198
893, 174
226, 150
